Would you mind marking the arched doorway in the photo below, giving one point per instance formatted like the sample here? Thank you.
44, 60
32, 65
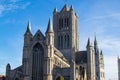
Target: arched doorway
16, 79
60, 78
37, 62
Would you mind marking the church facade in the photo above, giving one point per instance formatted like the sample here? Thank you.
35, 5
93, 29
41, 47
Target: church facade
56, 55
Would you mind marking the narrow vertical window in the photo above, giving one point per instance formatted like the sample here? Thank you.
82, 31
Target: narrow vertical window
67, 22
61, 41
60, 23
65, 42
68, 41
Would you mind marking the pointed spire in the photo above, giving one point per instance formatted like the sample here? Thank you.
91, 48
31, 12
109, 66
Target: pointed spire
88, 43
50, 27
65, 8
55, 10
28, 31
8, 66
29, 27
95, 41
101, 53
71, 8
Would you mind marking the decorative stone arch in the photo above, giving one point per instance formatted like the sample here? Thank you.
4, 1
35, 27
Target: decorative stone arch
37, 61
60, 78
40, 42
16, 78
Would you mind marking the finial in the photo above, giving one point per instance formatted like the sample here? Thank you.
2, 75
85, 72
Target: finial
28, 27
55, 10
8, 66
71, 8
95, 40
88, 43
101, 53
50, 27
66, 7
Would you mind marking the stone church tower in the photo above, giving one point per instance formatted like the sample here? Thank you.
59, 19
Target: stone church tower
66, 34
99, 62
56, 55
90, 61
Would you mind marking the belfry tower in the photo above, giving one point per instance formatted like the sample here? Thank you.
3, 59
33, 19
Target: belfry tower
65, 25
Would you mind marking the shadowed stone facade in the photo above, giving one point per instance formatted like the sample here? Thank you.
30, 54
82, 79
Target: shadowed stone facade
56, 56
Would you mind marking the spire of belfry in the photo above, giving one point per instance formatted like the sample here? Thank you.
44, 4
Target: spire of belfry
66, 7
88, 43
71, 8
95, 40
28, 28
55, 10
101, 53
50, 27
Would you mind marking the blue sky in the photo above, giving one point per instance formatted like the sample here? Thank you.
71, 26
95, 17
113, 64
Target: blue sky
95, 16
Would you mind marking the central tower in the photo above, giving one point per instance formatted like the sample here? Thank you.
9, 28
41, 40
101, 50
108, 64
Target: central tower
65, 24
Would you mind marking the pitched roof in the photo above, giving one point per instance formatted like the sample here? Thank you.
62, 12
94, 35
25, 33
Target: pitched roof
38, 35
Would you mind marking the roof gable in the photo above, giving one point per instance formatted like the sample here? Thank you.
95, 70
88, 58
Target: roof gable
39, 36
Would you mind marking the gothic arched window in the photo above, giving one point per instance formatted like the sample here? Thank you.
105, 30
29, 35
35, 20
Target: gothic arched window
61, 41
68, 41
60, 23
37, 62
58, 40
65, 42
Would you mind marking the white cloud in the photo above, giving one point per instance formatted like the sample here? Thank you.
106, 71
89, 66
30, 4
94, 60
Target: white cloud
13, 5
110, 45
1, 9
111, 66
114, 15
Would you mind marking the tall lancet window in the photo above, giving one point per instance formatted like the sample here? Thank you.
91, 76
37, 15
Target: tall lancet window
37, 63
68, 41
65, 42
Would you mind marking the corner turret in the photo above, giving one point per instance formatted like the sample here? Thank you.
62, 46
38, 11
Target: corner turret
65, 8
55, 10
96, 46
8, 68
28, 35
49, 27
90, 61
88, 43
101, 53
71, 8
49, 51
28, 31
